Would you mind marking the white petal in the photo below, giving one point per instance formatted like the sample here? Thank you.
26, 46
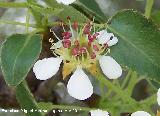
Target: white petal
158, 96
140, 113
110, 67
66, 2
99, 113
46, 68
113, 41
79, 85
105, 37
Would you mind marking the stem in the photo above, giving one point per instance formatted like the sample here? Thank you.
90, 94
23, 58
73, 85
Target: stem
13, 5
122, 94
126, 79
27, 20
17, 23
26, 99
148, 8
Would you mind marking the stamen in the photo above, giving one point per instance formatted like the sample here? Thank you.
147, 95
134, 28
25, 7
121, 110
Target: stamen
51, 40
93, 55
62, 24
95, 48
70, 26
55, 35
75, 51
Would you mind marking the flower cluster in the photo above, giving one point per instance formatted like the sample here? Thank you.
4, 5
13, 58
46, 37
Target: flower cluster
80, 48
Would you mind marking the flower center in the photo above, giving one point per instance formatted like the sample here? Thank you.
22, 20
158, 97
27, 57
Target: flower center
79, 45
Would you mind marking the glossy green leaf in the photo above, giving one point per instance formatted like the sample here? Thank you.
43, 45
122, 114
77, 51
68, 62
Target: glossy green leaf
139, 43
26, 100
18, 54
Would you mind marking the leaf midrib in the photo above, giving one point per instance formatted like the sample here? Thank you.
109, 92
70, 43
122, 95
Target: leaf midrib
21, 50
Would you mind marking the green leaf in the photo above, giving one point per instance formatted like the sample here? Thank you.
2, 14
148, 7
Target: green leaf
26, 100
67, 11
156, 17
93, 9
139, 43
18, 54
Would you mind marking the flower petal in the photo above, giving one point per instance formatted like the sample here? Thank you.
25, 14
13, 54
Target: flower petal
66, 2
79, 85
46, 68
105, 37
112, 41
158, 96
110, 67
99, 113
140, 113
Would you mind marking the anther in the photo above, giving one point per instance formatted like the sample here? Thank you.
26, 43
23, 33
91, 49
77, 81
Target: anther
93, 55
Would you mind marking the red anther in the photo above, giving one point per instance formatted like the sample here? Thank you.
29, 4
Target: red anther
93, 55
75, 25
95, 35
68, 17
66, 35
83, 50
95, 48
87, 28
90, 38
76, 43
75, 51
66, 43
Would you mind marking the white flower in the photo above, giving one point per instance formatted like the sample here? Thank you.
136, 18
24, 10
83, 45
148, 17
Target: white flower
140, 113
77, 56
99, 113
158, 96
66, 2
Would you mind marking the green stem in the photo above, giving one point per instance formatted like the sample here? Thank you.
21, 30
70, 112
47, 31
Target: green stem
16, 23
27, 20
26, 99
13, 5
148, 9
126, 79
